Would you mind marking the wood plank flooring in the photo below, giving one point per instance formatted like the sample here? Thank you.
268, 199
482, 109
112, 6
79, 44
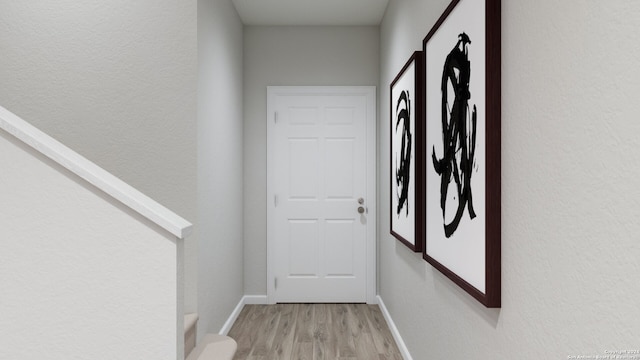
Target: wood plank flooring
313, 332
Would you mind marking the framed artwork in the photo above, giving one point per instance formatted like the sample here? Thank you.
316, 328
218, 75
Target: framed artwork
462, 153
406, 128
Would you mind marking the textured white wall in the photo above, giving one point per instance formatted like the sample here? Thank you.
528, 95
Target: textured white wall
290, 56
570, 198
220, 267
115, 81
82, 275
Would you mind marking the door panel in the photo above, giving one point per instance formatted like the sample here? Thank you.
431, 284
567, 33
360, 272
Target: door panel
340, 248
340, 165
303, 172
303, 247
317, 174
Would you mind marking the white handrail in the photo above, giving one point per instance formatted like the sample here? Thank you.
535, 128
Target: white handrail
94, 174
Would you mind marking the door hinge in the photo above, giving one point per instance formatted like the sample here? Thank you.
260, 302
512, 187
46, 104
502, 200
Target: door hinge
275, 117
275, 200
275, 283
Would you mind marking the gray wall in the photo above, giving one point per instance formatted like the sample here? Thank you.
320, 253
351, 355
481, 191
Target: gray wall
570, 199
220, 256
64, 272
290, 56
115, 81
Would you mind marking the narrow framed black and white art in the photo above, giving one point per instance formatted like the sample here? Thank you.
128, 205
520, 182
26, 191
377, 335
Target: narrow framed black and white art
462, 152
406, 165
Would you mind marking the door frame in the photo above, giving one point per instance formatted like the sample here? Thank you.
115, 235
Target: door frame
371, 164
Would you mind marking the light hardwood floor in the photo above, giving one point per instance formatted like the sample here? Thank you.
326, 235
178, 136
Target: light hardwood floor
313, 332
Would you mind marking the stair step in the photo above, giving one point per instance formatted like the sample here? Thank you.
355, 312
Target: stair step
214, 347
190, 322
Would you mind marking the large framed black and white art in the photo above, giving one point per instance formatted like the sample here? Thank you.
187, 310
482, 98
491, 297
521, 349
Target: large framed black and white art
406, 128
462, 152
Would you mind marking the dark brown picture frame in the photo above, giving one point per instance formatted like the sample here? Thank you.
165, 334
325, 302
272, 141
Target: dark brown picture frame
491, 296
399, 227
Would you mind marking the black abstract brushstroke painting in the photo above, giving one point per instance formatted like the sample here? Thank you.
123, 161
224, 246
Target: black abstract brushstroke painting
403, 175
458, 134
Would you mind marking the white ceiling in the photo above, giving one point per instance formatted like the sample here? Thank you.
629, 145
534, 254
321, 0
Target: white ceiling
311, 12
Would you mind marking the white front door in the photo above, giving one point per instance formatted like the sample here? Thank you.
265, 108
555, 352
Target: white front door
321, 232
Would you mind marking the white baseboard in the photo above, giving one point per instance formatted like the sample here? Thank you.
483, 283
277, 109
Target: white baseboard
232, 318
255, 299
245, 300
394, 331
